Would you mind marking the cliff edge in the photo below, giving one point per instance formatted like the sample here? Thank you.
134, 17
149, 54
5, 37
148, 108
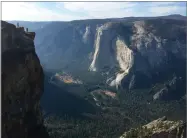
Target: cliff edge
22, 84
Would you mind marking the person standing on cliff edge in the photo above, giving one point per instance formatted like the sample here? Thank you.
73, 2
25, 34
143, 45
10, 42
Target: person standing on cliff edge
17, 25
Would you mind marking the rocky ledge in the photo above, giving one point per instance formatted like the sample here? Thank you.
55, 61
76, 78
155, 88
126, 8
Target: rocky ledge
160, 128
22, 85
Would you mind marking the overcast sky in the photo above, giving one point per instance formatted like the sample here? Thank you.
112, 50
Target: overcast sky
66, 11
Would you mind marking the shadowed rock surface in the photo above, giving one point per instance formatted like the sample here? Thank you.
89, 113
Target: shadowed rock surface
22, 85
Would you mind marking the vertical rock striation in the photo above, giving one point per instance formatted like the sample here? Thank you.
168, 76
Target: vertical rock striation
22, 85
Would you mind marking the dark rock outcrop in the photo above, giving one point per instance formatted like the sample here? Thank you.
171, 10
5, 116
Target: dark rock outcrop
22, 85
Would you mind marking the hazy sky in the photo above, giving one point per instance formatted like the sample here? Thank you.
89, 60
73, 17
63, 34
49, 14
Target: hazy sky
65, 11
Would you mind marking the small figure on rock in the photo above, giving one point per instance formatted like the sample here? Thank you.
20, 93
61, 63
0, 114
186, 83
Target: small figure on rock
26, 29
17, 25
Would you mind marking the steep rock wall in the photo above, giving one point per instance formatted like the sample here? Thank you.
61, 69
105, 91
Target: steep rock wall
144, 51
22, 85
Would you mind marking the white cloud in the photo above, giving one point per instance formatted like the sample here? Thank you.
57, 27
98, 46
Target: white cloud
101, 9
122, 9
97, 6
30, 11
155, 4
163, 10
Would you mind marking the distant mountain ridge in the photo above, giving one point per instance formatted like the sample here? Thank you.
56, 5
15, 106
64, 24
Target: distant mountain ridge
34, 25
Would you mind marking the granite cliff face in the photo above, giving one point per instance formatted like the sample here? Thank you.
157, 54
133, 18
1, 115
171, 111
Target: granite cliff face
140, 50
22, 84
160, 128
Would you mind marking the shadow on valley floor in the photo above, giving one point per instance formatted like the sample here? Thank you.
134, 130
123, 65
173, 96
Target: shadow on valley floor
59, 102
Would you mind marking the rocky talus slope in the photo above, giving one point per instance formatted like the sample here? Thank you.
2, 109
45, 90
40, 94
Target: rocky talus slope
160, 128
22, 84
